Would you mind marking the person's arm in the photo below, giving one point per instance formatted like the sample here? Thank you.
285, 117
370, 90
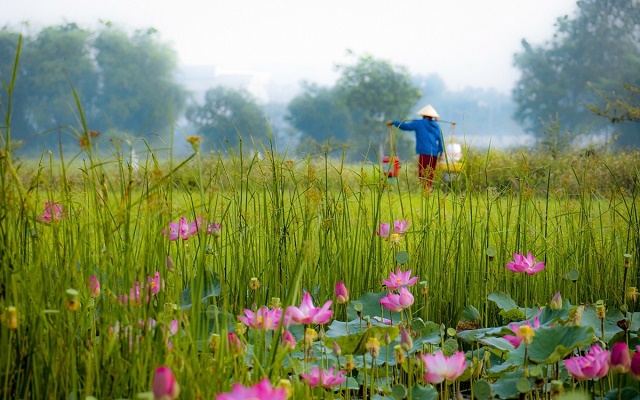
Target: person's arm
404, 125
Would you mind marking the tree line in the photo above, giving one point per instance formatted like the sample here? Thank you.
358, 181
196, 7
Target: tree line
584, 80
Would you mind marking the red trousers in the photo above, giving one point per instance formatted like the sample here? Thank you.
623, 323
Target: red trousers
426, 166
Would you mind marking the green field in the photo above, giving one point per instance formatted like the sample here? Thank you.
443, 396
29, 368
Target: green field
293, 226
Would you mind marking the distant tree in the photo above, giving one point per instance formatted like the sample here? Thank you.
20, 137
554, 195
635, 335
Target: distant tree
228, 115
319, 115
18, 121
50, 65
124, 83
137, 92
373, 90
600, 47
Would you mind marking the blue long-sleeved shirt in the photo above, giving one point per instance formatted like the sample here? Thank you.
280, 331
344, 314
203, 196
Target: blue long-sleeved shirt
428, 135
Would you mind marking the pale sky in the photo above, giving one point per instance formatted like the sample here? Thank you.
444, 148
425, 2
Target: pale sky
468, 43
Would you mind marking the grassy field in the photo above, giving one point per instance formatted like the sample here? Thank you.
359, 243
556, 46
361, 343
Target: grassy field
262, 229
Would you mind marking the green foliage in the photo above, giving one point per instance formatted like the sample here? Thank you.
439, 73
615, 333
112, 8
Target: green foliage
597, 48
318, 113
374, 90
229, 116
124, 82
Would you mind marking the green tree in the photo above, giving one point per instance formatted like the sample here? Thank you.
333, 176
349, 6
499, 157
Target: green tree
319, 116
53, 63
124, 83
18, 121
227, 116
373, 90
138, 92
599, 47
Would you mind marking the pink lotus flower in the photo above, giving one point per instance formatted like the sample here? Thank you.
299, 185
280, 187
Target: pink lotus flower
383, 230
593, 365
399, 279
260, 391
342, 294
327, 379
517, 339
52, 212
94, 286
308, 314
165, 386
620, 359
155, 283
263, 318
399, 228
181, 229
214, 229
634, 368
154, 286
526, 264
439, 367
397, 302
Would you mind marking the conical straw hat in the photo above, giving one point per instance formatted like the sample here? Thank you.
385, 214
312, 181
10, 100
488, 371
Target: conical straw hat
428, 111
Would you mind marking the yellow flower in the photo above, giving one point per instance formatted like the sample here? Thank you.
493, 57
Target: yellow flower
254, 284
195, 142
10, 317
71, 302
286, 385
310, 335
373, 346
527, 333
214, 342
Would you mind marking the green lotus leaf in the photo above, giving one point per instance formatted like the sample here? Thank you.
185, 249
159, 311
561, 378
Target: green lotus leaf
424, 392
551, 345
210, 288
371, 306
356, 343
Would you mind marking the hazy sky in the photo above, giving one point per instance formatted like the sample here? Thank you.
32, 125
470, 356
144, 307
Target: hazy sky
466, 42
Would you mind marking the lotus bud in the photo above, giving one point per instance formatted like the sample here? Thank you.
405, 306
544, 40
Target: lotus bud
288, 341
342, 294
337, 351
165, 386
94, 286
406, 342
634, 368
620, 359
170, 264
556, 302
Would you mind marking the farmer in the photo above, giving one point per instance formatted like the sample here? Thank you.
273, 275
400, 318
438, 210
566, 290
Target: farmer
428, 142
